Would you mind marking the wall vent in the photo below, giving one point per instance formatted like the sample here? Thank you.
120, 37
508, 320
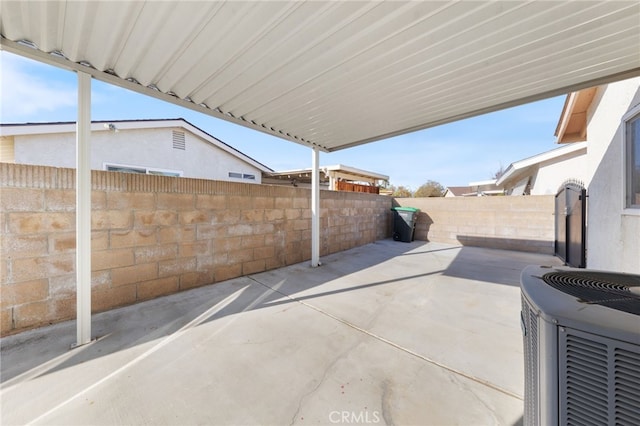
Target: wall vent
178, 140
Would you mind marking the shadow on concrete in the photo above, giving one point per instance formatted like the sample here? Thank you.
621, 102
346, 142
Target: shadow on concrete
385, 289
394, 270
517, 244
46, 350
421, 252
300, 278
115, 330
332, 292
494, 266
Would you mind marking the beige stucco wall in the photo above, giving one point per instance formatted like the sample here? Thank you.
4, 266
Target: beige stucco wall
613, 232
551, 174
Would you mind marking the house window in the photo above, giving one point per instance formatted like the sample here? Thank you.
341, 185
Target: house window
125, 169
633, 162
163, 173
237, 175
141, 170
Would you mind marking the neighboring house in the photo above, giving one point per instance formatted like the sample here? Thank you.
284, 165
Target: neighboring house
459, 191
475, 189
607, 118
170, 147
484, 188
544, 173
334, 178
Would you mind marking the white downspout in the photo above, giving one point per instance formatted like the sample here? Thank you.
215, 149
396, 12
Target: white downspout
83, 211
315, 208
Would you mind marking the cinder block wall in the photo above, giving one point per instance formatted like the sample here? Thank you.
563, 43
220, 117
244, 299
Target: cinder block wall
511, 223
154, 235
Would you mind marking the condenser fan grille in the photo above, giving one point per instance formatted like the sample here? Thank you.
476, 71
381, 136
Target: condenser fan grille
616, 291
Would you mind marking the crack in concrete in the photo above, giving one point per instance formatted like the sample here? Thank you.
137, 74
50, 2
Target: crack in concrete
385, 404
306, 396
465, 387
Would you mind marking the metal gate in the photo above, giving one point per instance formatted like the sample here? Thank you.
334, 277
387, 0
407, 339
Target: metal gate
571, 211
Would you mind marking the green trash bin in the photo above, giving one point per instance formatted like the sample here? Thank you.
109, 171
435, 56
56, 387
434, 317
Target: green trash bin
404, 223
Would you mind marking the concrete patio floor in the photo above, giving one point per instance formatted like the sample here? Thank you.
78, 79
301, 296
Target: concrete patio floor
389, 333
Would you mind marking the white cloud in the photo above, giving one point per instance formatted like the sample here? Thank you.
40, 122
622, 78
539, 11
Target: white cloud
27, 94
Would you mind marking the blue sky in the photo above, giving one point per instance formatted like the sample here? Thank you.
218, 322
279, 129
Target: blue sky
453, 154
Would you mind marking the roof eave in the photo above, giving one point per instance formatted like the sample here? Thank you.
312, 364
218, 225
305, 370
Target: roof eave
518, 168
572, 125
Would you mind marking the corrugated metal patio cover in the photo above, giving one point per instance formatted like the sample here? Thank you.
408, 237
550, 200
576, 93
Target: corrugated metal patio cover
335, 74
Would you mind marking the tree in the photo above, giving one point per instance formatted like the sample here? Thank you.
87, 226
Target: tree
497, 175
430, 189
400, 191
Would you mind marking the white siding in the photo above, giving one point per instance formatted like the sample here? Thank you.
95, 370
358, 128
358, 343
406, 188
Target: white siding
152, 148
613, 234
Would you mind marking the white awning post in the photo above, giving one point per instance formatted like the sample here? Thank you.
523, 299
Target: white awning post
83, 211
315, 208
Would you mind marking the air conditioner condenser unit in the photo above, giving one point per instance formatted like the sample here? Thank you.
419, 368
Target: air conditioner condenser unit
581, 333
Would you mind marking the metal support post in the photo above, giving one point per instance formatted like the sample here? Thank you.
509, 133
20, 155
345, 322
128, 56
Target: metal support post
315, 208
83, 211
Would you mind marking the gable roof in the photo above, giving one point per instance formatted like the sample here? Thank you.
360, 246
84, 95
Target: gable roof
17, 129
334, 74
459, 191
518, 168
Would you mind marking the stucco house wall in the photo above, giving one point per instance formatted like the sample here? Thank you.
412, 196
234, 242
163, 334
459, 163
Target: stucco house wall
552, 174
543, 174
146, 147
613, 232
